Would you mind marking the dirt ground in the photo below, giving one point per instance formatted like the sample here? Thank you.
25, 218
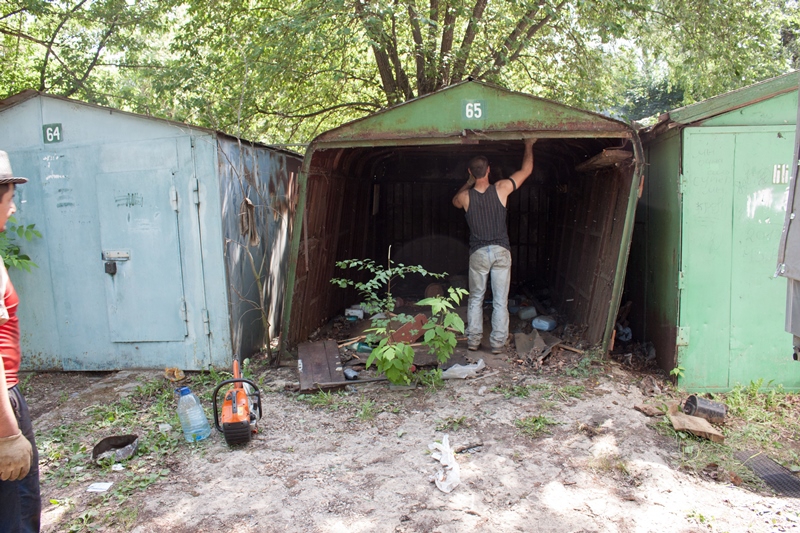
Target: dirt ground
362, 463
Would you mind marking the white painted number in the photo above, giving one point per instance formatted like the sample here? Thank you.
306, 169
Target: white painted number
474, 110
53, 134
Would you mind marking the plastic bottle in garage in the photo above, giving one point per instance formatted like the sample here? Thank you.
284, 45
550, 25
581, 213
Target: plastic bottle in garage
193, 418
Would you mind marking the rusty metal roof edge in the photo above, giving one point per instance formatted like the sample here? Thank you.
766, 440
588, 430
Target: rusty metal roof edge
731, 101
28, 94
469, 138
453, 86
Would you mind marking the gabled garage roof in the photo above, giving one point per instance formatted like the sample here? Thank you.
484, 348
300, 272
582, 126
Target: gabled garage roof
733, 100
452, 112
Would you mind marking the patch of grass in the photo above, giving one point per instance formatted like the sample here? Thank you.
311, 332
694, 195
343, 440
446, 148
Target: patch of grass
589, 365
698, 455
452, 423
534, 426
566, 392
513, 391
65, 454
331, 401
366, 410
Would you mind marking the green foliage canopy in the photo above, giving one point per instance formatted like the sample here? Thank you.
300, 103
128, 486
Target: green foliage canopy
283, 71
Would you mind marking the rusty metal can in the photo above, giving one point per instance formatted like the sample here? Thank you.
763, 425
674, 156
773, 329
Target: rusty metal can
714, 412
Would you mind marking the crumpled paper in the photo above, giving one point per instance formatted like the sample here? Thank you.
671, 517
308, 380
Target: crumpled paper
449, 476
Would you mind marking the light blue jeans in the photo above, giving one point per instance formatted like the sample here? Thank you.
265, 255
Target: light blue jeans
494, 261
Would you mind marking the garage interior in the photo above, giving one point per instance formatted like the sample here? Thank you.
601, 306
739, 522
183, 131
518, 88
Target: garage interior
565, 223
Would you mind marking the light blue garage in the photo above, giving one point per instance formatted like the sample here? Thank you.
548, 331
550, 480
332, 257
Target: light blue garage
156, 237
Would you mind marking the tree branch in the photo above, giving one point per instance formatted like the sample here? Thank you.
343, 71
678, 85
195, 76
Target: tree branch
419, 53
502, 56
375, 34
357, 105
400, 73
100, 46
49, 45
4, 30
443, 72
466, 44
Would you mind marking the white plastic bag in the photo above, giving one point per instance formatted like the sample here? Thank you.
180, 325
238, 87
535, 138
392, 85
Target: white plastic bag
464, 371
449, 476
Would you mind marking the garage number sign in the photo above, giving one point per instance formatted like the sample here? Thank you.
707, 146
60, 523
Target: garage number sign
52, 133
474, 109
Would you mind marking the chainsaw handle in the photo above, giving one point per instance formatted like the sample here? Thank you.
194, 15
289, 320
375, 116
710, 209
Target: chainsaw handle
228, 382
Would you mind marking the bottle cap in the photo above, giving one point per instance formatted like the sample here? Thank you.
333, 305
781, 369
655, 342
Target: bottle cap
183, 391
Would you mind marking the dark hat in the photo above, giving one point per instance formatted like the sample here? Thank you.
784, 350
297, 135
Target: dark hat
6, 176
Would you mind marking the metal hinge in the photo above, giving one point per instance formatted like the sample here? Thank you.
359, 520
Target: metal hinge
185, 317
196, 190
173, 198
683, 337
206, 322
681, 185
681, 281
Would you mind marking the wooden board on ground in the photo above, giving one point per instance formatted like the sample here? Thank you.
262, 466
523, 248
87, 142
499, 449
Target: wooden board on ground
318, 364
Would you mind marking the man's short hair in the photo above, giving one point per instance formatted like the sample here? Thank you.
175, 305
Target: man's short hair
478, 166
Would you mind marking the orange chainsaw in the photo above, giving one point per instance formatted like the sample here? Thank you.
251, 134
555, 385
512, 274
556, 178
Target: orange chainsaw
241, 409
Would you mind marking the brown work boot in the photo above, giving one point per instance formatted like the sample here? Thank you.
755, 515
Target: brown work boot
499, 349
473, 347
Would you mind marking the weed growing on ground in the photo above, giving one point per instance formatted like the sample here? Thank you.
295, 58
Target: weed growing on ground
452, 423
590, 365
513, 391
534, 426
610, 464
566, 392
431, 379
25, 380
366, 410
329, 400
758, 420
65, 453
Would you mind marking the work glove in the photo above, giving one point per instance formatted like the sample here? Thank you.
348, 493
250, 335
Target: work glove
471, 181
15, 457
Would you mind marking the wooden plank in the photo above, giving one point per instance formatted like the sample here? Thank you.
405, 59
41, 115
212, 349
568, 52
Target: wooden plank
606, 158
318, 364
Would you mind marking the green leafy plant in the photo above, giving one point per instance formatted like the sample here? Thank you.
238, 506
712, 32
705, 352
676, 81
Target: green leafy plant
395, 359
376, 292
10, 250
677, 372
441, 328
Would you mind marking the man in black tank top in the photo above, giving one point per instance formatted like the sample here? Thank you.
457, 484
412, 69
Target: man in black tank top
489, 248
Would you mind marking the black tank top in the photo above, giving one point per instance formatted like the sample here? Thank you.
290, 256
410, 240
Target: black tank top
486, 217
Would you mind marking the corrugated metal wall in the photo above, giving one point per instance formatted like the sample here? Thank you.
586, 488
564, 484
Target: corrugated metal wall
268, 179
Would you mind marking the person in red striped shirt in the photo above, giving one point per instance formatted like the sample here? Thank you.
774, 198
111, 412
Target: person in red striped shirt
20, 500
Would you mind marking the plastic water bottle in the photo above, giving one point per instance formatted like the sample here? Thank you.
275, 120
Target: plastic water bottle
193, 419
